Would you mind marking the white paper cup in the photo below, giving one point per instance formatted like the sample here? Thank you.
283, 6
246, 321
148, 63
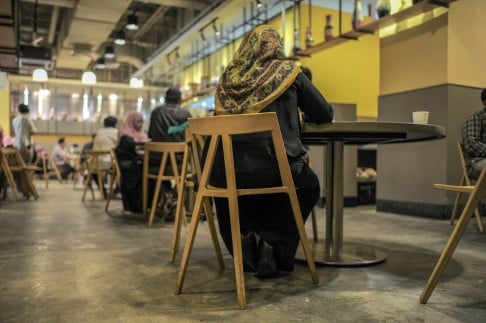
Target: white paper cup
421, 117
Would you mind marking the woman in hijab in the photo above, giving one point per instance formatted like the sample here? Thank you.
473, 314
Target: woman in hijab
129, 154
261, 79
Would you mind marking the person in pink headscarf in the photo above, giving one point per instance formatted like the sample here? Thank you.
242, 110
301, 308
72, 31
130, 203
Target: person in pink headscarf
129, 155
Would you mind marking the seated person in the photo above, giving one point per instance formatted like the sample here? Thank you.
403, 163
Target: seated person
129, 154
474, 140
261, 79
61, 158
106, 139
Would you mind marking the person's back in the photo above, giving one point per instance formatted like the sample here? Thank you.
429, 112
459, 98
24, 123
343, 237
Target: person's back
166, 116
106, 139
474, 140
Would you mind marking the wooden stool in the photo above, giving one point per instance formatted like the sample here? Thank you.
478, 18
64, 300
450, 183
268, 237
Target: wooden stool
220, 129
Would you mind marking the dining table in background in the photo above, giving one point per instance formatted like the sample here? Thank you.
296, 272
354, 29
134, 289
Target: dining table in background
333, 250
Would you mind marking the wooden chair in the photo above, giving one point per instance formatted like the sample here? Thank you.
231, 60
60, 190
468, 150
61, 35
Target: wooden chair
219, 131
114, 180
476, 193
48, 165
168, 152
96, 166
193, 146
465, 180
18, 173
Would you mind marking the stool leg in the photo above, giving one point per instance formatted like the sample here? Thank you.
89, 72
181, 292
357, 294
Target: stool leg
180, 214
478, 220
456, 202
154, 202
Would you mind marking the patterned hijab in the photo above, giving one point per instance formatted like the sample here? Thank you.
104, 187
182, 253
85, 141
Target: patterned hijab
258, 74
132, 127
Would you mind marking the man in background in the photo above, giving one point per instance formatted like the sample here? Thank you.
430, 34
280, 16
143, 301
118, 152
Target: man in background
474, 140
23, 128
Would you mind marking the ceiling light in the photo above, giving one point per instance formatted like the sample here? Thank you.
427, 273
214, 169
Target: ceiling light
259, 4
39, 75
136, 83
109, 52
100, 63
88, 78
132, 22
120, 38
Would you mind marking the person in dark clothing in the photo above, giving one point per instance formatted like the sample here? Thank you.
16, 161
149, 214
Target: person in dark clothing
261, 79
129, 154
161, 119
168, 115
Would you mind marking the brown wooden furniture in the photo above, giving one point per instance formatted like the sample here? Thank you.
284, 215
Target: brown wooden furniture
96, 165
219, 131
162, 172
48, 165
115, 178
18, 175
465, 180
476, 193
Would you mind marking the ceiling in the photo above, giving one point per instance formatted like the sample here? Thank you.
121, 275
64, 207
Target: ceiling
77, 32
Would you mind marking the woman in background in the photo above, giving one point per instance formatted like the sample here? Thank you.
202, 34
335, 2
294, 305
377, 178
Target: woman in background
129, 154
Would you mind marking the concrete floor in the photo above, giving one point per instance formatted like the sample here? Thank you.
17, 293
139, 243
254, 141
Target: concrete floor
62, 260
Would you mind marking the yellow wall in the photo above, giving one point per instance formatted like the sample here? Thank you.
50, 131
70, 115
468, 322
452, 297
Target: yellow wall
415, 58
347, 73
4, 104
467, 43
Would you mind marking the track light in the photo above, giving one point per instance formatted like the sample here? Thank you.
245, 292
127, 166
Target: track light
132, 22
120, 38
216, 31
100, 63
109, 52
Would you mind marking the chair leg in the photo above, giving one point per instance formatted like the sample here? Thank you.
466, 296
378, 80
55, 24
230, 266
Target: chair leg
454, 238
237, 251
303, 237
110, 194
479, 221
154, 202
86, 185
191, 235
314, 225
180, 215
212, 230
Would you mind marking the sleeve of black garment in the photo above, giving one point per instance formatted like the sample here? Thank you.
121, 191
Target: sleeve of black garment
312, 103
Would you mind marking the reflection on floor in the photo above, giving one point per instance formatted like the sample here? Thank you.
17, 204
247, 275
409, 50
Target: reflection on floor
68, 261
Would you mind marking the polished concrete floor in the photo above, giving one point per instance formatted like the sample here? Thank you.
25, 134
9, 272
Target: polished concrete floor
62, 260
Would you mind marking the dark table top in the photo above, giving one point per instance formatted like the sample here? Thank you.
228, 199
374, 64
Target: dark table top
356, 132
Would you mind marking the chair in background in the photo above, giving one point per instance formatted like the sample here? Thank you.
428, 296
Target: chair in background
18, 175
476, 193
166, 170
96, 166
115, 179
219, 131
48, 165
465, 180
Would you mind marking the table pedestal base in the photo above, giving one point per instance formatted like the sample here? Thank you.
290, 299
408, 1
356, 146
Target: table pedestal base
352, 255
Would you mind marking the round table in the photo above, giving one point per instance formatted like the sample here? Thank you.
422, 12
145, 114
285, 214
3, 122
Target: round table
332, 251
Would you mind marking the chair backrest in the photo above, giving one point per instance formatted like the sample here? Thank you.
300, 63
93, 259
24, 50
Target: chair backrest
220, 129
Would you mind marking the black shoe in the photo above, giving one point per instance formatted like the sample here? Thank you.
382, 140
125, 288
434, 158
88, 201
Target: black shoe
267, 267
250, 252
